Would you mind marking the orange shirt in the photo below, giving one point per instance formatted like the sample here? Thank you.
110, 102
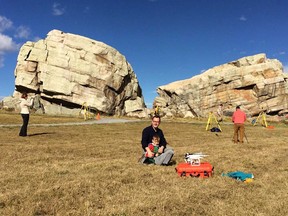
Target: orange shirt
239, 117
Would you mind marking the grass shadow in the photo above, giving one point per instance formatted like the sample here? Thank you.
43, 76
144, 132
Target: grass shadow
39, 134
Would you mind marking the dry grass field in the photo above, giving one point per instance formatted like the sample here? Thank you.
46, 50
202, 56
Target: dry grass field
93, 170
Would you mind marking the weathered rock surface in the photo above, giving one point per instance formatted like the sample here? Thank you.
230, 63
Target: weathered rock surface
255, 83
68, 70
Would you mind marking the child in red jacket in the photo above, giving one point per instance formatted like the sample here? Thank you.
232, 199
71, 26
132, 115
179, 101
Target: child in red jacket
154, 146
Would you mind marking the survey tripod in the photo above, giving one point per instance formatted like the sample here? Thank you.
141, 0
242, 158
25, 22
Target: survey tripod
85, 110
212, 118
262, 116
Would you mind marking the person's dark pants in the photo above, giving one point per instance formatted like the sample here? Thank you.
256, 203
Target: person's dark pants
23, 131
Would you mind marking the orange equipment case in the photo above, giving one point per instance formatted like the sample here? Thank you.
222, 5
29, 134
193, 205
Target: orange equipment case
203, 170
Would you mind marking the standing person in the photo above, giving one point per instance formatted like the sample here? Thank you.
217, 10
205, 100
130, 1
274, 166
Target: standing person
157, 111
220, 113
24, 105
238, 118
166, 153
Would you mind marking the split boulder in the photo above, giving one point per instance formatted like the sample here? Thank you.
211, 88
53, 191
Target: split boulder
68, 70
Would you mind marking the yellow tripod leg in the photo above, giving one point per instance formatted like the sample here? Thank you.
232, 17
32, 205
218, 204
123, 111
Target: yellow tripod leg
208, 122
217, 122
264, 121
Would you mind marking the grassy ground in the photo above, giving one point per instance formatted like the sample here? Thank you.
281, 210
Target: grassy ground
7, 118
93, 170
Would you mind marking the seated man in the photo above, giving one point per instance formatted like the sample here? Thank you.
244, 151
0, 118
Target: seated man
165, 153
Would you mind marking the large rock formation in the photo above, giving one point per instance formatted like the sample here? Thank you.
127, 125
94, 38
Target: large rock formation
255, 82
68, 70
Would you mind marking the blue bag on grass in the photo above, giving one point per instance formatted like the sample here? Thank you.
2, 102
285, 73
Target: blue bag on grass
238, 175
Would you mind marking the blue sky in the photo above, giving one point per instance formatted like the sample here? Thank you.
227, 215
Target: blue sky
163, 40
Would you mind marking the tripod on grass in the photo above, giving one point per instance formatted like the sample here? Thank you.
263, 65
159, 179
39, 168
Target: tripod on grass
212, 118
263, 120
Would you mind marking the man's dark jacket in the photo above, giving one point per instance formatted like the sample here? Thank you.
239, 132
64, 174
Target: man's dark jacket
147, 135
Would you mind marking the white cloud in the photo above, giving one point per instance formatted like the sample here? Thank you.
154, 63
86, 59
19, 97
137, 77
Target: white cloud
7, 44
282, 53
5, 24
35, 39
1, 61
243, 18
57, 10
22, 32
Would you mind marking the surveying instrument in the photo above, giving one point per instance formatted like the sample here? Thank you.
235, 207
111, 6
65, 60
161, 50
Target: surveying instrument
212, 118
85, 110
262, 116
